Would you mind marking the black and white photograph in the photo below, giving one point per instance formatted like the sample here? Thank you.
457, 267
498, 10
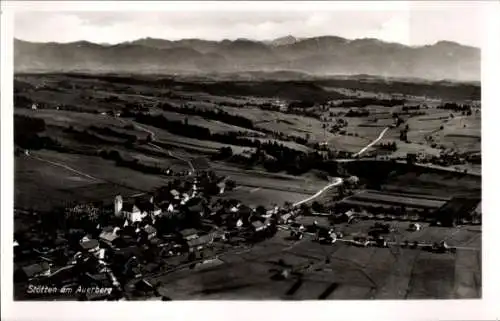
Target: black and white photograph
290, 153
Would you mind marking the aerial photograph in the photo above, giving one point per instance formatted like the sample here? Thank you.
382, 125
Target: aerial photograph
277, 155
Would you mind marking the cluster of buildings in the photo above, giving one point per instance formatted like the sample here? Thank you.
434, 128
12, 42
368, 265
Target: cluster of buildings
118, 246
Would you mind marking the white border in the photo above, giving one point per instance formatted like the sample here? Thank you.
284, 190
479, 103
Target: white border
485, 309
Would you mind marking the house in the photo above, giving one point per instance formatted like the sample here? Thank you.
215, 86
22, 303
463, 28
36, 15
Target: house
195, 205
200, 242
109, 235
89, 245
298, 226
132, 213
258, 226
185, 198
235, 208
353, 180
128, 210
415, 227
285, 218
346, 217
189, 234
222, 187
148, 207
151, 231
175, 194
36, 270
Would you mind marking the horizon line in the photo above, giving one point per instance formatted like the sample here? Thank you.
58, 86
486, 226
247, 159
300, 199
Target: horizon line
249, 39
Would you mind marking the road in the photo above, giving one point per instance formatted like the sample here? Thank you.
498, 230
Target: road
153, 138
372, 143
337, 181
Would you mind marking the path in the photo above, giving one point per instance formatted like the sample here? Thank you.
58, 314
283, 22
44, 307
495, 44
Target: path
88, 175
372, 143
153, 137
66, 167
337, 181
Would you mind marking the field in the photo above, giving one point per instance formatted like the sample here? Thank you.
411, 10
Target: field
169, 123
387, 199
103, 94
433, 183
353, 273
86, 103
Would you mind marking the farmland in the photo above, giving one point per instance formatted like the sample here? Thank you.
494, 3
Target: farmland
84, 138
353, 273
395, 200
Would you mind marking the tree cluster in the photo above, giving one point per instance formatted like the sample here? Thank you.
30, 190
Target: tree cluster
215, 114
357, 113
456, 107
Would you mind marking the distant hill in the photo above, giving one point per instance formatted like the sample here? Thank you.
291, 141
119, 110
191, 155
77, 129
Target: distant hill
319, 56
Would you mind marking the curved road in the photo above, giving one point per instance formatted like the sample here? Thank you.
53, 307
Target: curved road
337, 181
372, 143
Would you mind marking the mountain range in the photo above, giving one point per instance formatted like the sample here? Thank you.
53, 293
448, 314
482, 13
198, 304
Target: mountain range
321, 56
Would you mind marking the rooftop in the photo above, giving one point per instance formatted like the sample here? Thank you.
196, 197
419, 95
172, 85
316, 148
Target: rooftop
188, 232
89, 244
204, 239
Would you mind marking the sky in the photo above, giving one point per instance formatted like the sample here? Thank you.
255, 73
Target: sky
405, 22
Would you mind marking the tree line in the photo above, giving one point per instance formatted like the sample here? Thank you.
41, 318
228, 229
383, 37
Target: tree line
28, 134
456, 107
215, 114
363, 102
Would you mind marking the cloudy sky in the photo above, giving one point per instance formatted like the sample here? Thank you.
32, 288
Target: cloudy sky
405, 22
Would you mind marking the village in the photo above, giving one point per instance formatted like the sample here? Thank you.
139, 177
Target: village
116, 246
